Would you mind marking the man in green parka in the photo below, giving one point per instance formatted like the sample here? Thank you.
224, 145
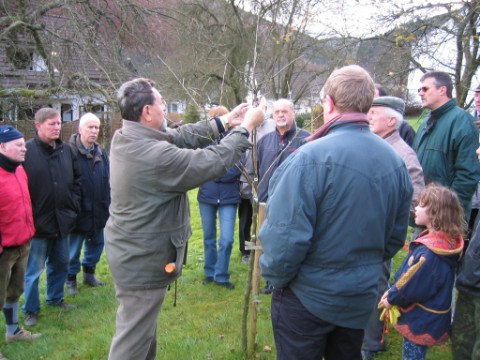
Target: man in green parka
447, 139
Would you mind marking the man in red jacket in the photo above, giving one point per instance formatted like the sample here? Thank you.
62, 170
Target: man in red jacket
16, 229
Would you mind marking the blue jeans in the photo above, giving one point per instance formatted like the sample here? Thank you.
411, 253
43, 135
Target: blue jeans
53, 252
412, 351
217, 261
91, 254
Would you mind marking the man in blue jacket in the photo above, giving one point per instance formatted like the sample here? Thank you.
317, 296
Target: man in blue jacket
337, 209
94, 165
274, 147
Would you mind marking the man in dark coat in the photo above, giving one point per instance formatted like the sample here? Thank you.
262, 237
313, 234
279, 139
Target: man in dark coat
54, 183
94, 165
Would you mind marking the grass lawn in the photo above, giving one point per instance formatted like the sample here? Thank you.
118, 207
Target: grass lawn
205, 324
416, 121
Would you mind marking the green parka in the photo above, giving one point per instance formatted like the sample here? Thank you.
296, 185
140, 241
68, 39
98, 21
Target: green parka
445, 144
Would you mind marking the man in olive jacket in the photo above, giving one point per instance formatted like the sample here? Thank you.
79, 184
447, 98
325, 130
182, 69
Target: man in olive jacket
151, 170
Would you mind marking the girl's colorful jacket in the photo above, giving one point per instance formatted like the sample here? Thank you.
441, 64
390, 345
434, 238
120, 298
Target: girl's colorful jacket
423, 288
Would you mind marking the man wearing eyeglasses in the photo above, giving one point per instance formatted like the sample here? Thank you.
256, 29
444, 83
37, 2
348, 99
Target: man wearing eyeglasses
447, 139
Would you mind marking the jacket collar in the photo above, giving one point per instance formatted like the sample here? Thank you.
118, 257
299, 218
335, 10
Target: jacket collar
440, 243
77, 143
7, 164
46, 147
143, 131
289, 132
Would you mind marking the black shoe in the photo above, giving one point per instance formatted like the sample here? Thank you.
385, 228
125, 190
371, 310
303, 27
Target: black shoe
267, 290
227, 285
92, 280
207, 280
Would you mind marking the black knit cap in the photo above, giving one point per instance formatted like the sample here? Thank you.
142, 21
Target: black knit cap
9, 133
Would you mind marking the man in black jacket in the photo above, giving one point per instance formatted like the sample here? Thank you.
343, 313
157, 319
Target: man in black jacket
466, 321
54, 184
94, 165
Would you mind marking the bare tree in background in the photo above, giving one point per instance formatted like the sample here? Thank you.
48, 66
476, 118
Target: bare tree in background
442, 36
53, 48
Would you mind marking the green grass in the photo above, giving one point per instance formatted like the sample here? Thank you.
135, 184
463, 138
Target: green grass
416, 121
205, 324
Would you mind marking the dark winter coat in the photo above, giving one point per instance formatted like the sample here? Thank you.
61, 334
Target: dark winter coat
272, 150
224, 190
423, 288
445, 144
54, 182
95, 169
468, 278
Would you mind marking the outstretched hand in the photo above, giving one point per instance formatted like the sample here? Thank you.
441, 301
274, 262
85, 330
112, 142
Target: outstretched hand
255, 116
237, 115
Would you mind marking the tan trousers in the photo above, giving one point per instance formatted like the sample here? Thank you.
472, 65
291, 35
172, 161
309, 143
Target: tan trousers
136, 324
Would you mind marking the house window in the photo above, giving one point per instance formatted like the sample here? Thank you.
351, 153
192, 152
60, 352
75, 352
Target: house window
20, 57
173, 108
67, 112
38, 63
97, 109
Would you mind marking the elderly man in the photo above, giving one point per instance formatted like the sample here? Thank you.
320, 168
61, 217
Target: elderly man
54, 183
16, 230
385, 117
447, 140
94, 165
324, 240
152, 168
274, 147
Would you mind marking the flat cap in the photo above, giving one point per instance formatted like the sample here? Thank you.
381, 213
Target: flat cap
477, 89
392, 102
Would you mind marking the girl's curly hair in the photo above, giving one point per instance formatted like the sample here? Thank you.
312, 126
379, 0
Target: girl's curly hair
444, 209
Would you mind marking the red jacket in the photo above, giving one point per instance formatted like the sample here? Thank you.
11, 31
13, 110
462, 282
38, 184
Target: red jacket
16, 218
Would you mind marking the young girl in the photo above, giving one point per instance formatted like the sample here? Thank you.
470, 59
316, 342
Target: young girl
423, 284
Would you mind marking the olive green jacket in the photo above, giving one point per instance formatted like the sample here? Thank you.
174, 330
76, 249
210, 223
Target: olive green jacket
150, 174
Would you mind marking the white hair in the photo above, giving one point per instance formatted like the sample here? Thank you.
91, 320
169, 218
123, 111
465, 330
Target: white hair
88, 117
389, 112
284, 101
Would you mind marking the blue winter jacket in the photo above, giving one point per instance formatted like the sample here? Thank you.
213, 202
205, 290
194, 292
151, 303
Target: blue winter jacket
95, 187
337, 208
423, 288
224, 190
269, 147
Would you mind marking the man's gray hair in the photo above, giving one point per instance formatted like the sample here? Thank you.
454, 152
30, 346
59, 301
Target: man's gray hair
88, 117
389, 112
284, 101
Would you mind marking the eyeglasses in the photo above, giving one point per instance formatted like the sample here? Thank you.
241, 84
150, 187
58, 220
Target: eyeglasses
424, 89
